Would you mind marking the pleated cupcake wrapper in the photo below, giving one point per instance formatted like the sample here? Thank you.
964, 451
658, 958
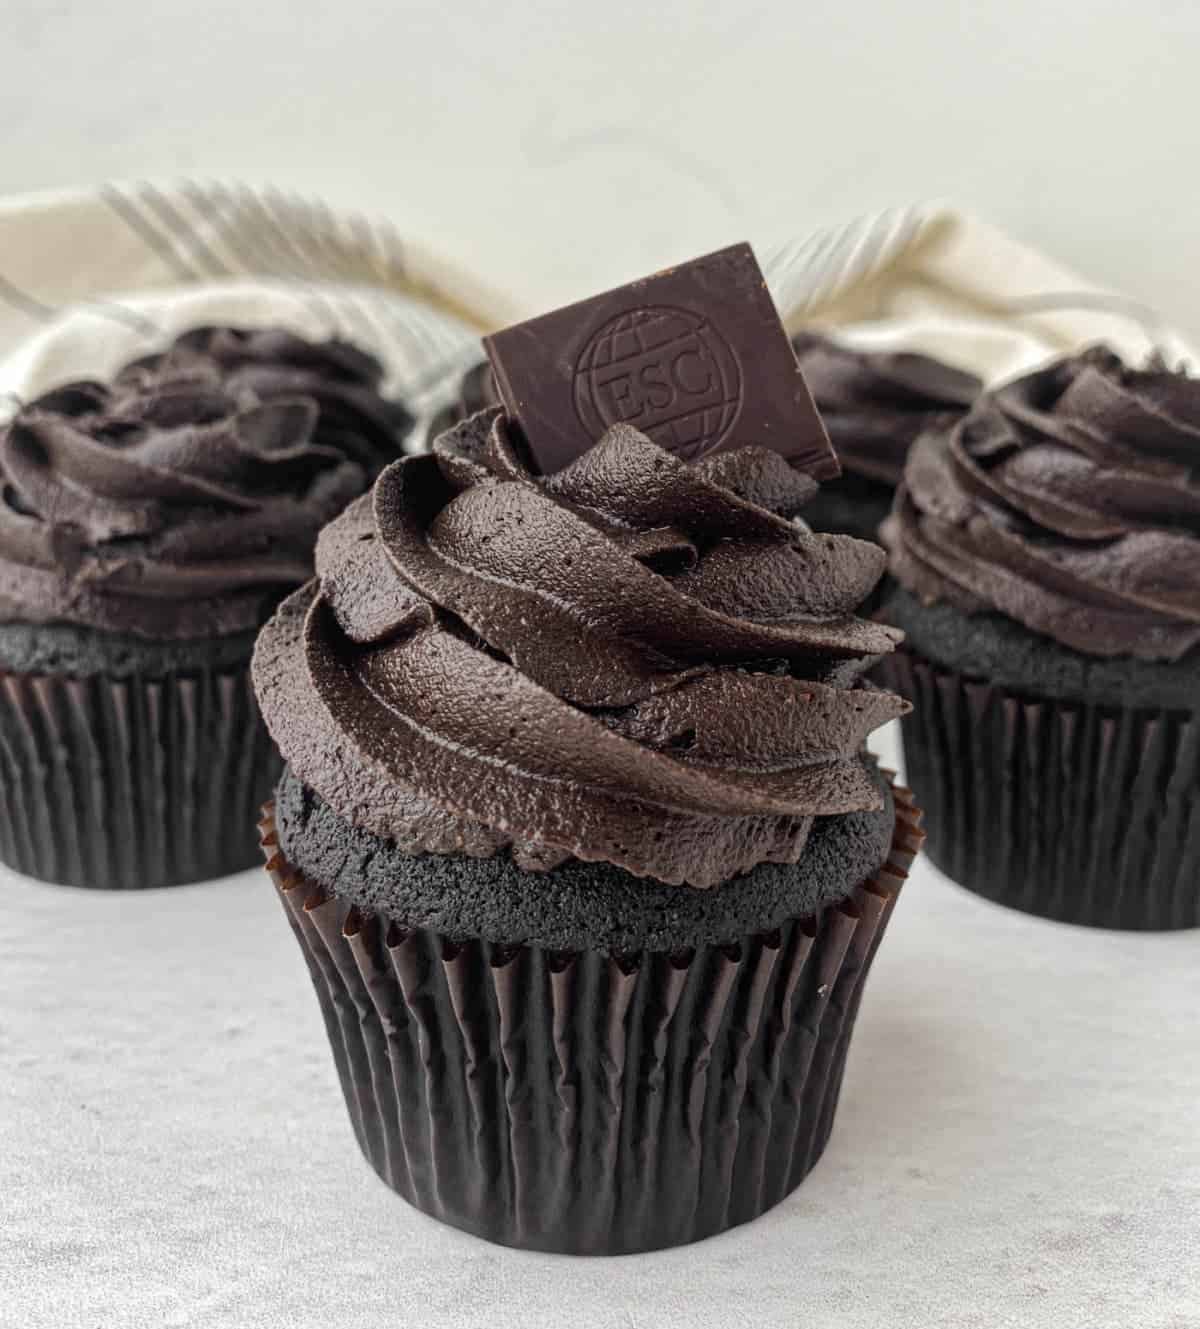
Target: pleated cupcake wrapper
580, 1103
131, 782
1085, 814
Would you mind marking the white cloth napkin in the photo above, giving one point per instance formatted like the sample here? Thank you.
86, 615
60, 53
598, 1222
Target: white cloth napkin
89, 280
931, 278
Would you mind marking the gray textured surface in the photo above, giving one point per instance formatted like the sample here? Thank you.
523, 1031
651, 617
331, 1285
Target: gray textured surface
1018, 1142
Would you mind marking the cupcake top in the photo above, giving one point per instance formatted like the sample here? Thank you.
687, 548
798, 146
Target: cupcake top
1069, 501
476, 390
268, 363
874, 404
563, 666
185, 497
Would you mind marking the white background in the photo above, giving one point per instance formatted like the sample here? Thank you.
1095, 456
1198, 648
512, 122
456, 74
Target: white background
558, 146
1018, 1139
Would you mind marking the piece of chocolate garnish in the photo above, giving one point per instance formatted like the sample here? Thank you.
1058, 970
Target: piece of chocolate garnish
695, 357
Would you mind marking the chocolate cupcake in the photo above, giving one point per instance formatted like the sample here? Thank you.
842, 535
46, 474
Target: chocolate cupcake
147, 529
577, 833
1048, 553
874, 404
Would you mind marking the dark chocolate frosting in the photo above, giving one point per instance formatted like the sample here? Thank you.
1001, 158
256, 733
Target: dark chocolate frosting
269, 363
185, 497
633, 660
1068, 500
874, 404
475, 391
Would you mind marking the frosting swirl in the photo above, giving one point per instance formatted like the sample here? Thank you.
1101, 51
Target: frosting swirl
874, 404
1068, 500
183, 498
269, 363
475, 391
632, 660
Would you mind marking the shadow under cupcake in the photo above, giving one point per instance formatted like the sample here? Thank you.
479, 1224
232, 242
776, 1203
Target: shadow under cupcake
1047, 550
577, 835
147, 528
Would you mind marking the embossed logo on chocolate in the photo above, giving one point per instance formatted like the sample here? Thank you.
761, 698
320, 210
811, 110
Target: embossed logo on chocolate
667, 371
694, 356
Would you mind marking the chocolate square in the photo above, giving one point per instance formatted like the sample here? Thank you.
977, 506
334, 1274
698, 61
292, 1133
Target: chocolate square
695, 357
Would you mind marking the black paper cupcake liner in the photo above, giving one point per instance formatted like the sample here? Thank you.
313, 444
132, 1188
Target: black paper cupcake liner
132, 782
1083, 814
579, 1103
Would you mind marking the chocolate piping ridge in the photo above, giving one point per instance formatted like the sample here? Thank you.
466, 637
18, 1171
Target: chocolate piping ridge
1068, 500
179, 501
